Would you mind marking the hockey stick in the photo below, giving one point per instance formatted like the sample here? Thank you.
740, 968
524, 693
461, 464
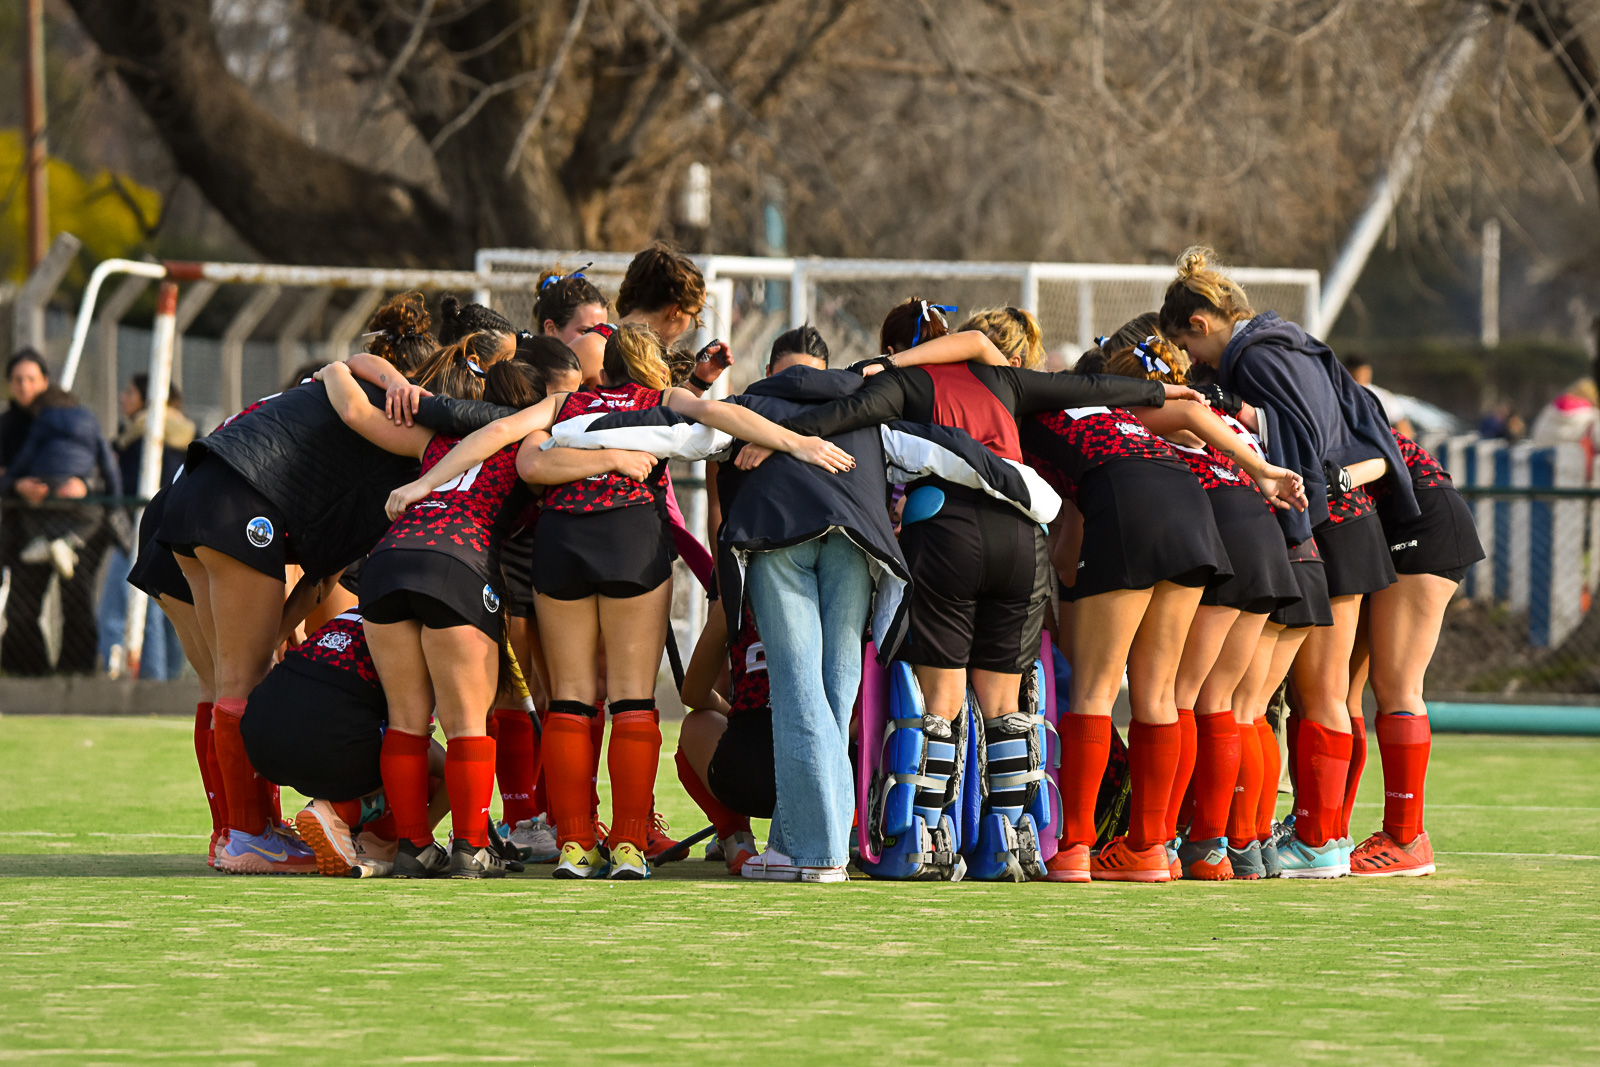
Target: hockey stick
681, 849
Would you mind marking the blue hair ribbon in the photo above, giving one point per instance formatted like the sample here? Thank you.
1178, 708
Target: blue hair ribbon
563, 277
929, 311
1146, 351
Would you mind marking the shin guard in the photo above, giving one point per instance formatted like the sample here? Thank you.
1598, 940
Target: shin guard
1019, 797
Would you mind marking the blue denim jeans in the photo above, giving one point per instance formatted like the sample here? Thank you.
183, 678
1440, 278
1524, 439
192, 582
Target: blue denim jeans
810, 603
163, 655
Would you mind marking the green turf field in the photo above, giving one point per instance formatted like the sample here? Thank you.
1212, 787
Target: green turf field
117, 944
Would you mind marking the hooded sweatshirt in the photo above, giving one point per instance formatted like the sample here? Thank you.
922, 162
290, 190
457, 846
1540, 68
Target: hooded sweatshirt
1315, 417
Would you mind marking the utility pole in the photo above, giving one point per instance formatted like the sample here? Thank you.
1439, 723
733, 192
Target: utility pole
33, 131
1490, 334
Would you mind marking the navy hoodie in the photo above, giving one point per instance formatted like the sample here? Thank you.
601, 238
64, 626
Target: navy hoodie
1314, 415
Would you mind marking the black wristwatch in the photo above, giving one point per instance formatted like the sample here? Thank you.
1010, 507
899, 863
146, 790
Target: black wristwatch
703, 385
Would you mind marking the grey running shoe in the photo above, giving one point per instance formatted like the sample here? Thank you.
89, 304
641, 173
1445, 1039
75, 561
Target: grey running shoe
1271, 862
1205, 860
427, 862
1247, 862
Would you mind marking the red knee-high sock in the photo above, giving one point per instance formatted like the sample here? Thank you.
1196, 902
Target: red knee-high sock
404, 765
205, 755
214, 765
1271, 774
631, 760
515, 753
724, 818
1153, 755
569, 755
1216, 772
1244, 811
1182, 773
1291, 737
383, 827
348, 810
1404, 742
1085, 748
469, 776
1358, 763
597, 735
246, 810
1322, 757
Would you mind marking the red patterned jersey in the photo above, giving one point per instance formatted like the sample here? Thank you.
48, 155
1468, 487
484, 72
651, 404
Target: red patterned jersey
1346, 507
747, 668
1063, 446
342, 643
1214, 470
602, 492
467, 517
1426, 472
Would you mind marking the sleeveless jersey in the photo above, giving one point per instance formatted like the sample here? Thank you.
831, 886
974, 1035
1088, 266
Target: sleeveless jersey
1064, 446
467, 517
341, 643
602, 492
962, 401
747, 668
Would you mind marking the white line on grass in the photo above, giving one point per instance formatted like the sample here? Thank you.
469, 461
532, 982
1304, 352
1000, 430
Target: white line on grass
95, 833
1524, 855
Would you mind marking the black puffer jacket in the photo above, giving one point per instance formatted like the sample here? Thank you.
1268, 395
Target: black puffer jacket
330, 482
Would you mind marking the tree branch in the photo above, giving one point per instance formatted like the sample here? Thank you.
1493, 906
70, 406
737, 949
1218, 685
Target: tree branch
547, 90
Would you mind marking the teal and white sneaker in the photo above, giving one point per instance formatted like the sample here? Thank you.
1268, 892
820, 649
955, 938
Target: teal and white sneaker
1272, 865
533, 839
1347, 848
1301, 860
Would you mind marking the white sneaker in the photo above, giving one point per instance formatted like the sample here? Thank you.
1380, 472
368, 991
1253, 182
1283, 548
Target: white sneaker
770, 866
534, 840
35, 551
824, 874
64, 557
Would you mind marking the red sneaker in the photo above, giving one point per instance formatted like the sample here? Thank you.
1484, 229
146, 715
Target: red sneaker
1117, 862
656, 839
1068, 865
1381, 856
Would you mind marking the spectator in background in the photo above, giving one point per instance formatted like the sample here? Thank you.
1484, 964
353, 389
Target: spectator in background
161, 657
1496, 423
1571, 418
59, 456
1361, 371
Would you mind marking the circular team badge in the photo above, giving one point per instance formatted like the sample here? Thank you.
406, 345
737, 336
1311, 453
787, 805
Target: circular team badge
259, 531
491, 600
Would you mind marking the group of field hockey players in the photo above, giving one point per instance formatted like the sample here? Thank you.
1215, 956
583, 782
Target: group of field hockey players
448, 561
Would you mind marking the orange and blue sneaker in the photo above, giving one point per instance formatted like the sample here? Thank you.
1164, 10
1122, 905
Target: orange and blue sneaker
1381, 856
1068, 865
1117, 861
1206, 860
269, 852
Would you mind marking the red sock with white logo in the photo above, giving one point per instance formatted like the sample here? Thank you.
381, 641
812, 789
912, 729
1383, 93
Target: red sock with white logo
515, 754
469, 776
205, 756
1322, 759
1404, 742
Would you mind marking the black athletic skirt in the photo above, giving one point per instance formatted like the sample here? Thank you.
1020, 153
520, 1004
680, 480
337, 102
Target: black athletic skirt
316, 729
1442, 540
434, 588
155, 571
1313, 608
212, 506
618, 553
741, 773
1143, 523
1261, 581
1355, 555
516, 566
980, 583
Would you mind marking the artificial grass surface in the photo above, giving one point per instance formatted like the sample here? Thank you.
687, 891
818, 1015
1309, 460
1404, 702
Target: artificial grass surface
118, 945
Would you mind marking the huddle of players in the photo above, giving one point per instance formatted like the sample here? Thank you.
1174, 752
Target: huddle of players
501, 576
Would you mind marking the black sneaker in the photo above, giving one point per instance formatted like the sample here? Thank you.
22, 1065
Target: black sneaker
429, 861
469, 861
509, 853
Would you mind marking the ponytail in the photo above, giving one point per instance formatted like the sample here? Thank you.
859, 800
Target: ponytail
1151, 358
635, 353
1201, 288
456, 320
1015, 333
398, 332
512, 384
545, 357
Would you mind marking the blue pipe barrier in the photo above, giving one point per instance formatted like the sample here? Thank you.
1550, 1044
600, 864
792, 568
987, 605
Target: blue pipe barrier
1514, 719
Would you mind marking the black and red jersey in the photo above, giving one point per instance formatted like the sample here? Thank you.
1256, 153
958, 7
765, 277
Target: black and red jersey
341, 643
602, 492
1426, 472
1064, 446
962, 401
747, 668
467, 517
1214, 470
